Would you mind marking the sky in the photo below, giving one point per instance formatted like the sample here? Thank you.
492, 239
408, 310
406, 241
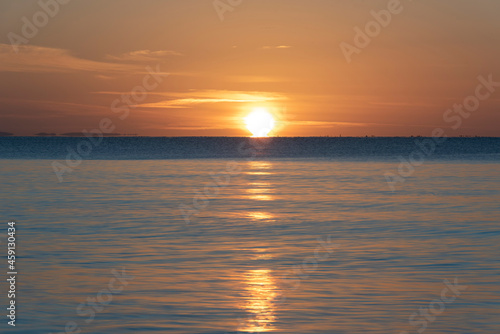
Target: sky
198, 67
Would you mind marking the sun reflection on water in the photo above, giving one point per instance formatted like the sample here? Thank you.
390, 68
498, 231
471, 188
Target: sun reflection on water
258, 216
261, 292
260, 168
260, 287
260, 192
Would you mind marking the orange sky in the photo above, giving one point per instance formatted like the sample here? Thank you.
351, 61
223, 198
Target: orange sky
222, 61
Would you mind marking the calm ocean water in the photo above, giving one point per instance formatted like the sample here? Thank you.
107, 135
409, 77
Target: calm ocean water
221, 235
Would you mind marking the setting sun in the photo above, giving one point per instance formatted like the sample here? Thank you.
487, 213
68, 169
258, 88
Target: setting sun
260, 122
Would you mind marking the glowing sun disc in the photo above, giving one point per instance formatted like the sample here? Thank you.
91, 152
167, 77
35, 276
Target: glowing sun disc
260, 122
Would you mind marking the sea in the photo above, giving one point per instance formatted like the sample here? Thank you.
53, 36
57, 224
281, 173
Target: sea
220, 235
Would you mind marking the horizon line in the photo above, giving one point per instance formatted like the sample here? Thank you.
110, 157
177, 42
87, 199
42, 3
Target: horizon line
250, 137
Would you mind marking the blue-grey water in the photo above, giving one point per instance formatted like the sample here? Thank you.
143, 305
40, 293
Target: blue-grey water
231, 235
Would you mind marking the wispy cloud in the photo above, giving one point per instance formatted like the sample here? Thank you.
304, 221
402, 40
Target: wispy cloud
254, 79
187, 100
143, 56
191, 98
276, 47
403, 104
328, 124
51, 108
38, 59
191, 128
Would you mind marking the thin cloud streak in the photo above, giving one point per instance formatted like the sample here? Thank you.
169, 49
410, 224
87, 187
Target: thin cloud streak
144, 56
189, 99
38, 59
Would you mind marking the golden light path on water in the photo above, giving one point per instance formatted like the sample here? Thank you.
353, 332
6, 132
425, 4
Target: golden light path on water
261, 290
260, 286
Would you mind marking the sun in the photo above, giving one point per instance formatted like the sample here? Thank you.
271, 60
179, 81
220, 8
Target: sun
260, 122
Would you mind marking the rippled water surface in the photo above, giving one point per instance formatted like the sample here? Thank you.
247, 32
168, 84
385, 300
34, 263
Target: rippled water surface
285, 246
